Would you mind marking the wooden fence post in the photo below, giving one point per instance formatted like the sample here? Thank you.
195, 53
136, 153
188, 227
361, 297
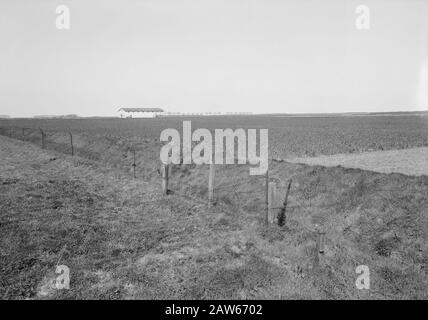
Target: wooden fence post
317, 255
282, 214
211, 184
319, 248
43, 138
267, 198
134, 165
23, 134
165, 177
272, 197
71, 143
321, 237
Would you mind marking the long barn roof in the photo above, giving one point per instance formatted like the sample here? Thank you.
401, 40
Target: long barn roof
141, 109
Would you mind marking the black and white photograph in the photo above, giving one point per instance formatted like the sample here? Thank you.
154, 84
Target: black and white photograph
213, 155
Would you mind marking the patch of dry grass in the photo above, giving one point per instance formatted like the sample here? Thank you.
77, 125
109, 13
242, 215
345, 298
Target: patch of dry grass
123, 239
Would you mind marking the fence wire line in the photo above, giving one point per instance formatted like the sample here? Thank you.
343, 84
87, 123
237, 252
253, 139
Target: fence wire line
34, 130
295, 204
24, 133
11, 132
235, 185
203, 201
218, 188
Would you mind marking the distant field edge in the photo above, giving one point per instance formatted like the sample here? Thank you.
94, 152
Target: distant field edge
411, 161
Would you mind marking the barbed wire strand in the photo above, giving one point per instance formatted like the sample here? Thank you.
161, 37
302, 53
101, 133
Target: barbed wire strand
205, 202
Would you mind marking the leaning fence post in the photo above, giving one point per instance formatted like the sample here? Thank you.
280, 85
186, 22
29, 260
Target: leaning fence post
267, 198
211, 184
43, 138
71, 143
165, 177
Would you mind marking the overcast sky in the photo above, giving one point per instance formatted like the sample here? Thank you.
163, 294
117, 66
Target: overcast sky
212, 55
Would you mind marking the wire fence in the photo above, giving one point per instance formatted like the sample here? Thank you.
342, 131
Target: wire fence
46, 139
263, 190
53, 139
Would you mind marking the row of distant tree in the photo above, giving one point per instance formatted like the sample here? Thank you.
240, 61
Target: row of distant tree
204, 113
65, 116
75, 116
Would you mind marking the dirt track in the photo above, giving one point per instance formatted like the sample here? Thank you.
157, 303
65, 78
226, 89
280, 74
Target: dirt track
413, 161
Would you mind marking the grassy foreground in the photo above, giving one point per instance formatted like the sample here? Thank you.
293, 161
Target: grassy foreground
122, 239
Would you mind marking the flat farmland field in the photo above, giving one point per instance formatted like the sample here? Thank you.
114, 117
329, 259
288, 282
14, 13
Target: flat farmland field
288, 136
122, 238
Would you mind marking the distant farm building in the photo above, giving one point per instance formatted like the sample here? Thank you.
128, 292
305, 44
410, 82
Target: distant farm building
140, 112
